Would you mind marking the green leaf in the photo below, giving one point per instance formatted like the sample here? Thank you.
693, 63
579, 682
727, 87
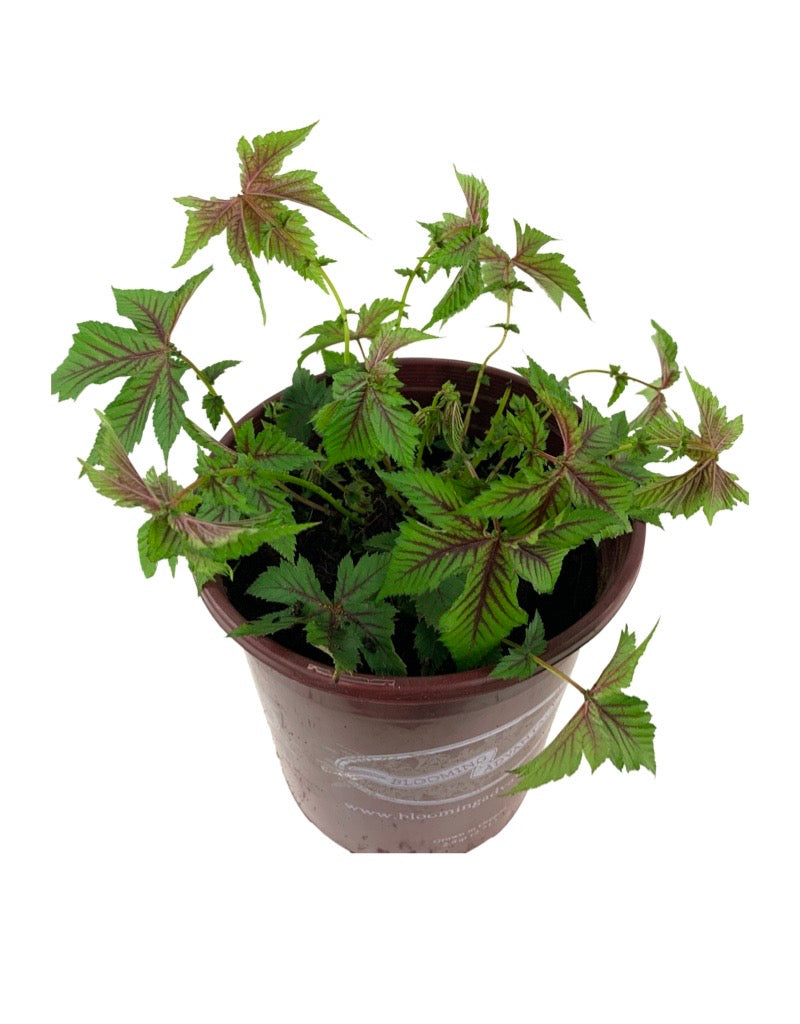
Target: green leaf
537, 557
705, 485
547, 269
214, 372
118, 479
522, 662
371, 318
477, 195
670, 372
352, 627
424, 556
486, 610
257, 221
145, 355
466, 287
609, 726
431, 494
387, 341
213, 406
367, 418
300, 402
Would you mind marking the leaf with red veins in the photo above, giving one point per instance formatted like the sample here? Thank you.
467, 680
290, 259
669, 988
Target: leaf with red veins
705, 485
256, 221
146, 355
547, 269
609, 726
118, 479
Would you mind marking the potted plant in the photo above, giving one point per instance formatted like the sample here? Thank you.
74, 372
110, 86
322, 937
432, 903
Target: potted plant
410, 550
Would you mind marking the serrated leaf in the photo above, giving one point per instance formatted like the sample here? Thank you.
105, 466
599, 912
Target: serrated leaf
388, 340
372, 317
146, 356
214, 372
548, 270
354, 625
705, 485
466, 287
431, 494
610, 725
537, 557
367, 418
424, 556
118, 479
523, 661
257, 221
486, 610
213, 406
300, 402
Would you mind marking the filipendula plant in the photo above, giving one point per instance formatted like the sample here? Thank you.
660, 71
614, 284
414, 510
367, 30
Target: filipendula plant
441, 527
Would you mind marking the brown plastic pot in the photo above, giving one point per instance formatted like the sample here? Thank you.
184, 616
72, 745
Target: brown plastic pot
418, 764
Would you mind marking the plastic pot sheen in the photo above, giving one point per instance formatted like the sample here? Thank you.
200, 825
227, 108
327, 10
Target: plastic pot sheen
418, 764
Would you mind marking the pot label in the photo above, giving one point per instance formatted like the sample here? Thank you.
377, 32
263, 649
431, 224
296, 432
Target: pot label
458, 771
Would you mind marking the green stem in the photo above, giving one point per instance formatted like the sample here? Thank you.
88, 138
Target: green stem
209, 386
284, 478
561, 675
407, 288
342, 311
473, 400
608, 373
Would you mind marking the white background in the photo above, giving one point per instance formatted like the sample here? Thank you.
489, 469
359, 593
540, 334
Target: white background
155, 867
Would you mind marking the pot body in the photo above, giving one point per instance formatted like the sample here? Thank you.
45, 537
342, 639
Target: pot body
430, 777
418, 764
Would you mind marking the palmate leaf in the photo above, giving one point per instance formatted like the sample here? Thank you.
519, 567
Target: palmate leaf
257, 221
486, 608
173, 529
455, 245
547, 269
609, 726
705, 485
368, 417
352, 627
145, 355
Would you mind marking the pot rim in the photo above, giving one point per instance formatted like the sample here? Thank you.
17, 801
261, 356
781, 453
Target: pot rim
451, 686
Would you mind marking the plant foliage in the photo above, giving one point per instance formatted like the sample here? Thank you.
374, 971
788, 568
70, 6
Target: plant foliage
393, 536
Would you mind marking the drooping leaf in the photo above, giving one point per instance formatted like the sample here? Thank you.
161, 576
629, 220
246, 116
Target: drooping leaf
144, 355
466, 287
670, 372
705, 485
547, 269
257, 221
610, 725
213, 406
